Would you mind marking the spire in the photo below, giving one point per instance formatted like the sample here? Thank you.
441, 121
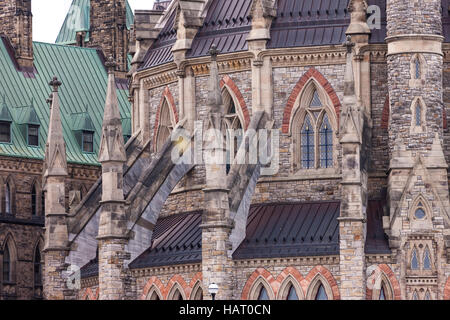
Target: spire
55, 152
215, 101
112, 143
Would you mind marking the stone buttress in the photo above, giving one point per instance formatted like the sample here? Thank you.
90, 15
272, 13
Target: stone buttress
112, 227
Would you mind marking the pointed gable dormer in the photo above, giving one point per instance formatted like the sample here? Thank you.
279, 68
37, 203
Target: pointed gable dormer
112, 144
55, 152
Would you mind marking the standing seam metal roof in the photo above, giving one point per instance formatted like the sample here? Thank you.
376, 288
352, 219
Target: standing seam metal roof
84, 82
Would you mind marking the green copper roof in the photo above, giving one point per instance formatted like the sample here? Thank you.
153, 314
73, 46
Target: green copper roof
84, 81
82, 122
77, 19
5, 114
26, 115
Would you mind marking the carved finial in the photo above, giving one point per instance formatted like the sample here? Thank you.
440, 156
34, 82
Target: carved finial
214, 52
110, 64
349, 44
55, 83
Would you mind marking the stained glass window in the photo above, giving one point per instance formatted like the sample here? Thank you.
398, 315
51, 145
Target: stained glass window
315, 102
415, 296
326, 144
321, 294
428, 295
263, 294
414, 260
420, 214
307, 144
426, 259
292, 295
418, 114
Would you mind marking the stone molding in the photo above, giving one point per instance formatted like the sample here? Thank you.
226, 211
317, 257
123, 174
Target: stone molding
414, 43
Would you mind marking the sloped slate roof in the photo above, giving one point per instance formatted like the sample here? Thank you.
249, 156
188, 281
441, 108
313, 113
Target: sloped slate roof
291, 230
273, 231
77, 19
298, 23
84, 81
176, 239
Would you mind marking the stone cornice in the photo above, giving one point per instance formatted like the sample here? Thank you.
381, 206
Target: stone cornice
414, 43
306, 261
164, 270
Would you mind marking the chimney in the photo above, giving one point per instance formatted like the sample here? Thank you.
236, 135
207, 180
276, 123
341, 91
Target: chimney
16, 23
108, 31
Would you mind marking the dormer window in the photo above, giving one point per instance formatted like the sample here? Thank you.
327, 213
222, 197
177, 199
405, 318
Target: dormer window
88, 141
5, 132
33, 135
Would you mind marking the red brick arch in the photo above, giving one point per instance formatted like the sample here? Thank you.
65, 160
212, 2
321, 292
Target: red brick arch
263, 273
153, 281
166, 96
90, 295
324, 272
197, 277
172, 282
447, 289
392, 280
311, 73
291, 271
385, 114
237, 93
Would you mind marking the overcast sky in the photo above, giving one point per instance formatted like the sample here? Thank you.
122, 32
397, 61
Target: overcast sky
49, 15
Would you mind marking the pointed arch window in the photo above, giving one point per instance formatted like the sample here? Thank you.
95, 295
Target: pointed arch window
292, 294
420, 212
263, 295
414, 260
418, 114
382, 293
308, 145
7, 270
321, 293
37, 268
33, 201
8, 199
313, 130
426, 259
428, 295
165, 127
326, 144
415, 295
233, 126
417, 68
43, 202
177, 295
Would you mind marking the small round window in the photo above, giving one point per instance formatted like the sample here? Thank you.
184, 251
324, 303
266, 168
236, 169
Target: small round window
420, 214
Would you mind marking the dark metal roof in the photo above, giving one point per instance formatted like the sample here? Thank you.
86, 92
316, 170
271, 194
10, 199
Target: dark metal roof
291, 230
227, 24
161, 51
376, 240
273, 231
176, 240
379, 35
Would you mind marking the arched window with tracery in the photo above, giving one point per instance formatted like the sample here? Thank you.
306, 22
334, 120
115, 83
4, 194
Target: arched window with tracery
165, 125
313, 129
37, 272
7, 265
233, 126
426, 259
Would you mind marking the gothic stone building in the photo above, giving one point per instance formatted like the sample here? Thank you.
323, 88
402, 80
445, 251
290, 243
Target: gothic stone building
26, 69
353, 202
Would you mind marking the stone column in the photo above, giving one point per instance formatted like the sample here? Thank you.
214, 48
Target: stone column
217, 265
113, 278
352, 220
56, 233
